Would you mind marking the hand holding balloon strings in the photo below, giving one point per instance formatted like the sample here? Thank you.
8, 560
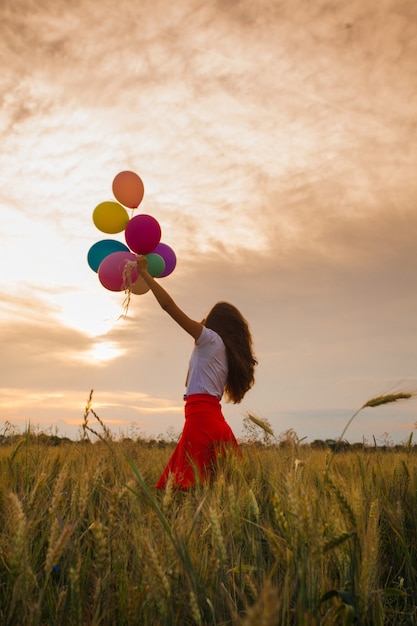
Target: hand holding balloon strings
142, 263
115, 263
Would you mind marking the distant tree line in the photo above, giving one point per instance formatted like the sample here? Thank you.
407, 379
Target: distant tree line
287, 440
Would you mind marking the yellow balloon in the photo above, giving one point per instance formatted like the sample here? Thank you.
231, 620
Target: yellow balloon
110, 217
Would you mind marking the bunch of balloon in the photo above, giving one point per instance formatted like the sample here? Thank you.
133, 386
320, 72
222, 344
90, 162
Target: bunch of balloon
113, 260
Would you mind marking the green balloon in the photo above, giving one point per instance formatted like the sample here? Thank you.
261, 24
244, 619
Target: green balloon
156, 264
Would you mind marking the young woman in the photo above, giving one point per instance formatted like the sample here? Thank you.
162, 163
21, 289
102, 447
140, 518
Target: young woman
222, 362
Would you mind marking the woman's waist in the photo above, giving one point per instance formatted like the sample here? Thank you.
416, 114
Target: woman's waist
203, 405
194, 398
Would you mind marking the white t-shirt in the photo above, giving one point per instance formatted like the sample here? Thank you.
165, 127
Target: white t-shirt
208, 365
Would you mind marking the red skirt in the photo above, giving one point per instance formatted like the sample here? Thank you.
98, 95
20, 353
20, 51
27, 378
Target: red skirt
206, 435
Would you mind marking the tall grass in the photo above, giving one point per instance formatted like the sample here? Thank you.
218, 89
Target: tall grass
85, 538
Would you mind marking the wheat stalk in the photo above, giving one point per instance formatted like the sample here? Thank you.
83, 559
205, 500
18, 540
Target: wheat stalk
18, 555
388, 398
154, 565
86, 413
262, 424
253, 506
265, 611
100, 542
19, 565
57, 547
195, 610
75, 590
86, 427
217, 535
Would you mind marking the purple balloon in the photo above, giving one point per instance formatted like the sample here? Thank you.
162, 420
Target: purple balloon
169, 257
111, 271
142, 234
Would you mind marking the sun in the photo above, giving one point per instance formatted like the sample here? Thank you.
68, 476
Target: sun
100, 352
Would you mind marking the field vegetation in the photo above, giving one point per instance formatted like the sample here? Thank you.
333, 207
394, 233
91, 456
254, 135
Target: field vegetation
288, 534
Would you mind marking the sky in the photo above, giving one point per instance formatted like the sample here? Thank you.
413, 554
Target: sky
277, 144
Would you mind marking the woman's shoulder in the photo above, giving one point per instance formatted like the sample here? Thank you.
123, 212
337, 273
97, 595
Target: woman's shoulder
208, 336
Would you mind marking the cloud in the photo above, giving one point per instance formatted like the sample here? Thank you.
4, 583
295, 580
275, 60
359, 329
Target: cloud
65, 411
254, 103
41, 354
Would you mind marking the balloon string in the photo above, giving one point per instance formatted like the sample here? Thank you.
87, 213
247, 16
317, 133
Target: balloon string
127, 284
126, 302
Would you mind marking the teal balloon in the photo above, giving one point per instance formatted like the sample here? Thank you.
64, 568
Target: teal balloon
103, 248
156, 264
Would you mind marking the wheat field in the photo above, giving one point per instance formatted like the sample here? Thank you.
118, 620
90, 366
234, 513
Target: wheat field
286, 534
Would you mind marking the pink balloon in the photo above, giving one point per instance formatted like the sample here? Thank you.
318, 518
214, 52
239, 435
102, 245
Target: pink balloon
169, 257
142, 234
111, 271
128, 189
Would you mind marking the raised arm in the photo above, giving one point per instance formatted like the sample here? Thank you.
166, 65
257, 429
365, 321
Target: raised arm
192, 327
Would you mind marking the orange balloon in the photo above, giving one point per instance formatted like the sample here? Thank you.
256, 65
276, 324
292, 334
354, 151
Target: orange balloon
128, 189
139, 287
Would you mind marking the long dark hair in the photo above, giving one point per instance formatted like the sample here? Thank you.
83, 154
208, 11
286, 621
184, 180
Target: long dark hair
228, 322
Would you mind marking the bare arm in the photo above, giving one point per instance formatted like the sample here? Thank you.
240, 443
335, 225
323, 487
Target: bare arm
192, 327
